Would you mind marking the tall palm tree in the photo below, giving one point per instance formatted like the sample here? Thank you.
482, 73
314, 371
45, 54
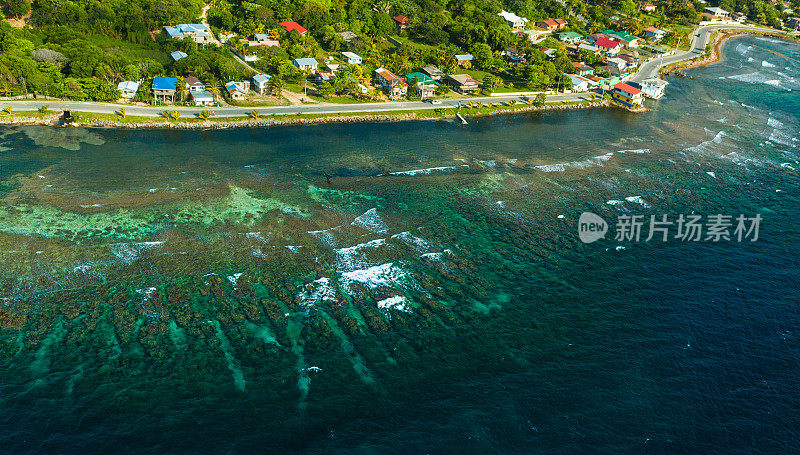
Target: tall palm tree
180, 88
214, 87
122, 113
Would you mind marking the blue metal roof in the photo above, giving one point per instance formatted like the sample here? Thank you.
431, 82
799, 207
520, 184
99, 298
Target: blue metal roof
177, 55
308, 61
164, 83
261, 78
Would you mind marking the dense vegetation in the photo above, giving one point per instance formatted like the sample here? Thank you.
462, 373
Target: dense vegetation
111, 40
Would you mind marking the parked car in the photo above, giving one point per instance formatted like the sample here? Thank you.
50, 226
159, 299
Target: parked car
436, 101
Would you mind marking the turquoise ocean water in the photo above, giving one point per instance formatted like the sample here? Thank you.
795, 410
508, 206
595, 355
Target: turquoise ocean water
210, 292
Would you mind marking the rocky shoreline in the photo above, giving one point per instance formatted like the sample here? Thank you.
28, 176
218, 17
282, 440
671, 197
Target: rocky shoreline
55, 119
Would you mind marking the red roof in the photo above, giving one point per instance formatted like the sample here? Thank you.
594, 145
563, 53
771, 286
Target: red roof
627, 88
550, 22
400, 19
291, 25
560, 21
652, 29
606, 43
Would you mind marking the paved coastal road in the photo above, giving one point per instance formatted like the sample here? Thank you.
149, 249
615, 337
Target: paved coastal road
648, 69
699, 41
330, 108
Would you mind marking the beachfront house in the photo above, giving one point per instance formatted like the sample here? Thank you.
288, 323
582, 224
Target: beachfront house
199, 33
739, 17
655, 34
237, 90
202, 98
128, 89
569, 37
194, 84
627, 95
435, 73
579, 83
425, 84
715, 13
352, 58
394, 86
292, 26
177, 55
652, 88
516, 23
582, 69
164, 87
463, 59
463, 83
261, 83
306, 64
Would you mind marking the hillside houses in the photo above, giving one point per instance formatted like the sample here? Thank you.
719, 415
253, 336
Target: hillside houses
426, 86
517, 23
237, 90
552, 24
292, 26
164, 87
306, 64
198, 33
655, 34
261, 83
352, 58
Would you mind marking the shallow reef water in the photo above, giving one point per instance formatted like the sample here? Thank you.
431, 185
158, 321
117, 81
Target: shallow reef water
210, 291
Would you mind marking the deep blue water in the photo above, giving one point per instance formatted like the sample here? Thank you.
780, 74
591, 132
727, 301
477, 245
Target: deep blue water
520, 340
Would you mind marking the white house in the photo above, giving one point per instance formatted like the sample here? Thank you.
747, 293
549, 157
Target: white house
194, 84
261, 83
580, 83
128, 89
308, 63
516, 23
202, 98
197, 32
352, 58
653, 88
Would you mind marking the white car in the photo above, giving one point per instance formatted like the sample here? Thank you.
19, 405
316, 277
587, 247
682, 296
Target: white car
436, 101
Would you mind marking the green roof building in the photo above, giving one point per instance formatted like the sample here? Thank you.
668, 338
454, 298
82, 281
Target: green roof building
570, 37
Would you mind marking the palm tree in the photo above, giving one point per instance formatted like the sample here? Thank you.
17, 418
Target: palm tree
180, 88
255, 114
43, 109
122, 112
175, 115
213, 86
205, 115
8, 110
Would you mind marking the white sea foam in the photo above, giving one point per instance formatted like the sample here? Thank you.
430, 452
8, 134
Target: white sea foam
320, 290
371, 221
146, 292
397, 302
426, 171
91, 206
767, 64
614, 202
561, 167
415, 242
294, 248
234, 278
711, 174
373, 277
353, 257
638, 151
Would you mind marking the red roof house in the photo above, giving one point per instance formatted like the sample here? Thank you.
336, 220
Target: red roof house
292, 25
606, 44
400, 21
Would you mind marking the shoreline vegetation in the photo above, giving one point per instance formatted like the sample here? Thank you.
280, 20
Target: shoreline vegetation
101, 120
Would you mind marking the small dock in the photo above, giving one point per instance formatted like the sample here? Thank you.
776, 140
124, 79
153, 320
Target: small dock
461, 117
